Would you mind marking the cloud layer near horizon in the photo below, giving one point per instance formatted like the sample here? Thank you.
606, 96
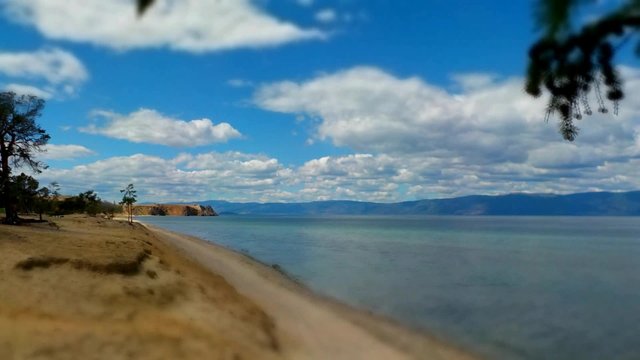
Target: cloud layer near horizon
185, 25
239, 176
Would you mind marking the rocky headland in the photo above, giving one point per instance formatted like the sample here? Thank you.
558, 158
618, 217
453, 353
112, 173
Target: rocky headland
174, 210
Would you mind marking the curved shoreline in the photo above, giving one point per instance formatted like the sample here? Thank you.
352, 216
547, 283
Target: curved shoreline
310, 325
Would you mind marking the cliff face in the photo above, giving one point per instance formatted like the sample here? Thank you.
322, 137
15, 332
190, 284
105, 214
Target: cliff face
173, 210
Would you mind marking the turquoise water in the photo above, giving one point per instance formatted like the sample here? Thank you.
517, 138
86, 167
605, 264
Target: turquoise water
502, 287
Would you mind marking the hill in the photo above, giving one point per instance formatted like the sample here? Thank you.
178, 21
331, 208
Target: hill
581, 204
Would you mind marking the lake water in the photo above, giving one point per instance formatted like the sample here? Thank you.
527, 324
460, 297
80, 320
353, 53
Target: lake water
502, 287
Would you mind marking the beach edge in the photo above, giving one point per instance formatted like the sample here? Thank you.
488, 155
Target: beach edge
401, 340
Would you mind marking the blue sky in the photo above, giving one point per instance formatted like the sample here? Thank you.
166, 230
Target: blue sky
292, 100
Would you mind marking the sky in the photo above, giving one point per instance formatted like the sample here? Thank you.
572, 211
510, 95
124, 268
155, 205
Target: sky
303, 100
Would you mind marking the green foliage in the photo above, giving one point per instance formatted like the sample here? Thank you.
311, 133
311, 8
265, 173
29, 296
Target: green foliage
87, 202
570, 64
91, 202
20, 134
43, 201
109, 209
129, 197
20, 138
54, 189
25, 190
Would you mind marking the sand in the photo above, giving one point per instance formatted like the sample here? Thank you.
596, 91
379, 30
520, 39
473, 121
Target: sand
102, 289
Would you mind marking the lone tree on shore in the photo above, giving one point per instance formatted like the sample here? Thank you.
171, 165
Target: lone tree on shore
20, 138
569, 63
128, 199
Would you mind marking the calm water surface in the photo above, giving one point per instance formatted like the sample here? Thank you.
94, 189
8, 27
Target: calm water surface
502, 287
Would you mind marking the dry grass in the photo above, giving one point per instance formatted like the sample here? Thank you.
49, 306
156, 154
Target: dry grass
101, 289
122, 267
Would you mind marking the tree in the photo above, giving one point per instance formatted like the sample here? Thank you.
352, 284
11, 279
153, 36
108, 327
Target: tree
86, 202
109, 209
570, 64
54, 197
54, 189
43, 201
128, 199
20, 138
90, 202
24, 189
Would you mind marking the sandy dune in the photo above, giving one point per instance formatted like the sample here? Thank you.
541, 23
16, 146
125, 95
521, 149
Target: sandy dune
100, 289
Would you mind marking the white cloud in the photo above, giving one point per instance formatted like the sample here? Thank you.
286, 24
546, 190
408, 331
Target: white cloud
253, 177
187, 25
150, 126
410, 140
326, 15
487, 138
47, 72
22, 89
186, 177
356, 176
65, 152
405, 177
368, 109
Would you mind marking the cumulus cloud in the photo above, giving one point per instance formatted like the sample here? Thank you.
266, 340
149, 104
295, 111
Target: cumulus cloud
150, 126
404, 177
44, 73
370, 110
240, 176
487, 137
410, 140
64, 152
186, 25
186, 177
356, 176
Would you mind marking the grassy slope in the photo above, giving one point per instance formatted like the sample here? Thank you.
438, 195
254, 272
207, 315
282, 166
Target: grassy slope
96, 288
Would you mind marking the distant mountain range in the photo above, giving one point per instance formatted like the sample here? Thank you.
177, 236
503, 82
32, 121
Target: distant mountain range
583, 204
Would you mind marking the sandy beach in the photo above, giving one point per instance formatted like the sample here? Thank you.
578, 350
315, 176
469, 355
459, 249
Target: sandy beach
103, 289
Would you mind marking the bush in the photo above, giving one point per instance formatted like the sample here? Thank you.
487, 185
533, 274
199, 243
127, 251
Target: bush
109, 209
